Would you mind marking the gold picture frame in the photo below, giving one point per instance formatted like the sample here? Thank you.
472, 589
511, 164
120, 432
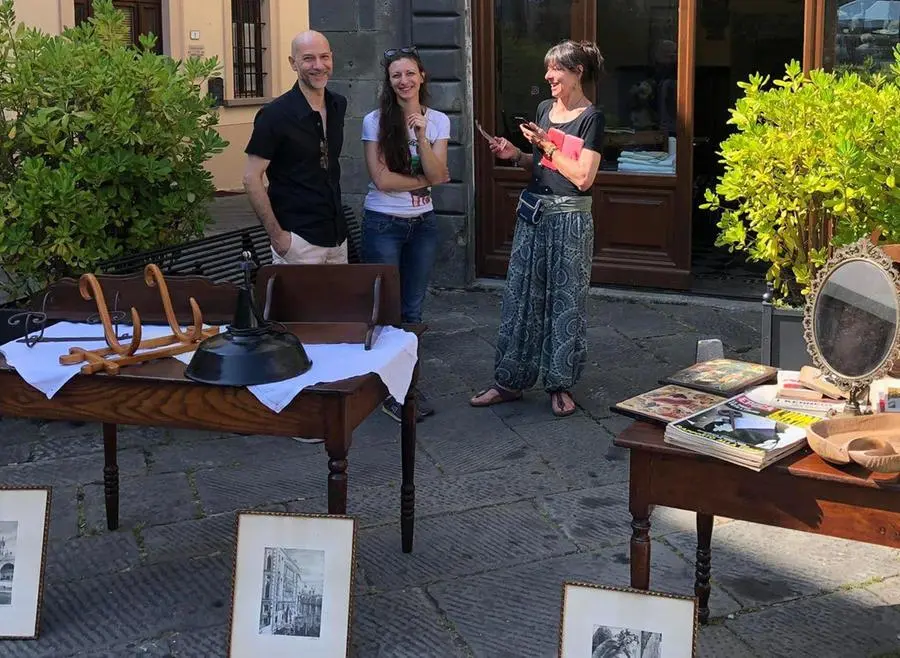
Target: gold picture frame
651, 621
24, 530
292, 585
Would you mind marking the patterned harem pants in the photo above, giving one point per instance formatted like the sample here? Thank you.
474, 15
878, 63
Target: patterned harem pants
542, 318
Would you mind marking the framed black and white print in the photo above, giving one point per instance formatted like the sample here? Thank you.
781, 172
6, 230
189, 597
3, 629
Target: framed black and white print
292, 589
615, 622
24, 520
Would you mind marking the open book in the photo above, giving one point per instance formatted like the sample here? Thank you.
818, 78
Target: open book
742, 431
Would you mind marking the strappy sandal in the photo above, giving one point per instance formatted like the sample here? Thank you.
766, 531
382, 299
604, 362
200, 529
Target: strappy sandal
503, 395
557, 404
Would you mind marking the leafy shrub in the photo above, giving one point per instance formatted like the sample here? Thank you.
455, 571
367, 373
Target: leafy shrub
813, 164
102, 148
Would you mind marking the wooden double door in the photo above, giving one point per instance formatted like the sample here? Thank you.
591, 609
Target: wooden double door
642, 213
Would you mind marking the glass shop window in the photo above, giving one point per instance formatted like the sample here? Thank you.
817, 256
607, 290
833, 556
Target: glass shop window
638, 93
861, 34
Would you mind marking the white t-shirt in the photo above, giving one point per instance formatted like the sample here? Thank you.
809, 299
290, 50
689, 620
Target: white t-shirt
405, 204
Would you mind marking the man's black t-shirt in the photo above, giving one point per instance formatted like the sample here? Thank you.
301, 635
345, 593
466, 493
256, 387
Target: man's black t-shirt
305, 195
588, 126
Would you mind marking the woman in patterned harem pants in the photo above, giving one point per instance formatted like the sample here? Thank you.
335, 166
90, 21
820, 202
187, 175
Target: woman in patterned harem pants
542, 320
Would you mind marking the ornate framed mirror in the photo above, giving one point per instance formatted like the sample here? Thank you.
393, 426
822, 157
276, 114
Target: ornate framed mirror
852, 318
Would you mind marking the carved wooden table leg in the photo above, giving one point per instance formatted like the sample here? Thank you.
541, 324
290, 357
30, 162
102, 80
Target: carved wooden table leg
638, 496
111, 476
408, 465
640, 546
337, 481
704, 553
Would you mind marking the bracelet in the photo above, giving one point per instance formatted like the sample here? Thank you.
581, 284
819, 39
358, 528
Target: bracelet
515, 161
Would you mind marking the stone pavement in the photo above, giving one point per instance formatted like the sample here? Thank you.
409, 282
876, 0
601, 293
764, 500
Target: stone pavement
510, 503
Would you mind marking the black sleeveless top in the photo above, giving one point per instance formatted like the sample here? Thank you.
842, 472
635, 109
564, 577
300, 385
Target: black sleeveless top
588, 126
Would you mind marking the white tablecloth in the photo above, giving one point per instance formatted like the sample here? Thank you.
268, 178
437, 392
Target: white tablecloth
392, 357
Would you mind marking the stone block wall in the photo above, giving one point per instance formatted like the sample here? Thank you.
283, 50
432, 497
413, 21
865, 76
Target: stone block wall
359, 32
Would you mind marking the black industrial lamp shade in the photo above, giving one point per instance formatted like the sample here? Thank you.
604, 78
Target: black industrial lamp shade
250, 351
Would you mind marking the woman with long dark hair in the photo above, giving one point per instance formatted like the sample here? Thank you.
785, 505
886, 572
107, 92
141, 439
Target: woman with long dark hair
406, 153
542, 317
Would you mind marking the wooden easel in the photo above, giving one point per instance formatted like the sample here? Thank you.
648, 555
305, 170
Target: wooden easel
115, 355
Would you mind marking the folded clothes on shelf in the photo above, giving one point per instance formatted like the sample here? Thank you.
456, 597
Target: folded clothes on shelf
648, 162
646, 168
654, 158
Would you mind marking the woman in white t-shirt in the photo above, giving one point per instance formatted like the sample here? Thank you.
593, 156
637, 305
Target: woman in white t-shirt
406, 153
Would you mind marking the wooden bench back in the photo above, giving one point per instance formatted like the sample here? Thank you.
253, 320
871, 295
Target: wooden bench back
62, 300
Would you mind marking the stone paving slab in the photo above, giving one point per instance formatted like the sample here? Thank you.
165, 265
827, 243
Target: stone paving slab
460, 544
606, 346
600, 388
845, 624
718, 641
70, 440
633, 319
737, 330
230, 451
516, 611
204, 642
376, 506
87, 557
70, 471
146, 500
511, 501
598, 518
402, 624
760, 565
109, 611
588, 458
465, 439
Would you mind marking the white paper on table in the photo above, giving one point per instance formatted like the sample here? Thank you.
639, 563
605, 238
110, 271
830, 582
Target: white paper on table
753, 423
393, 358
39, 365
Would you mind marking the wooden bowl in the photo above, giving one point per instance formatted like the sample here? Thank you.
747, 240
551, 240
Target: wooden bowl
872, 441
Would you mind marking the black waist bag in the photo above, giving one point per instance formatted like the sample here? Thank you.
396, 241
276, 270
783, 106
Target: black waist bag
530, 208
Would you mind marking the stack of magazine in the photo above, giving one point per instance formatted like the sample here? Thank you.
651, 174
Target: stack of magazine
742, 431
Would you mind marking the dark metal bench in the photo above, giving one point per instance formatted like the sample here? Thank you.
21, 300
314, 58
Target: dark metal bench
218, 256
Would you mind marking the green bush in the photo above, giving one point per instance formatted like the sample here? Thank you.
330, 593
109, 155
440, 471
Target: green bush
102, 148
813, 164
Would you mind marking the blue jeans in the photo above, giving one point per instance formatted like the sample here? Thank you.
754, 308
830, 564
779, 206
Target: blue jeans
410, 243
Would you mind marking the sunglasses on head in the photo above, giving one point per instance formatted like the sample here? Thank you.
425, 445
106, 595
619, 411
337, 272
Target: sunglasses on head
407, 50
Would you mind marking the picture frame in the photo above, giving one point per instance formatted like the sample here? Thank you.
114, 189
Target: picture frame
649, 624
292, 585
24, 525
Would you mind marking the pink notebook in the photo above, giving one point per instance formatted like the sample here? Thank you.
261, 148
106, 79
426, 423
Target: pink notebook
568, 145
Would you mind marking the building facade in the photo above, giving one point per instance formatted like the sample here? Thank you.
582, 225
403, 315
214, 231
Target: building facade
672, 68
251, 39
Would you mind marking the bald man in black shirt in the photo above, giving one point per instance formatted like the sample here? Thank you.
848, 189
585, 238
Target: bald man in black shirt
296, 143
